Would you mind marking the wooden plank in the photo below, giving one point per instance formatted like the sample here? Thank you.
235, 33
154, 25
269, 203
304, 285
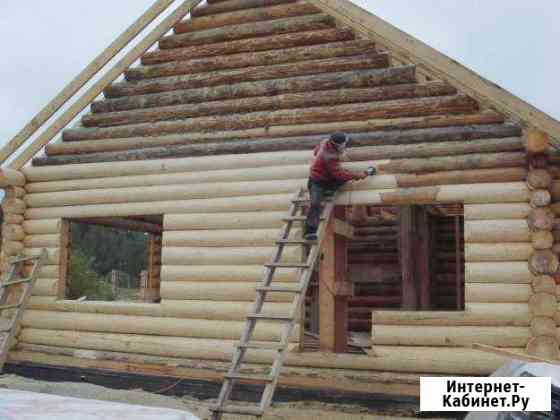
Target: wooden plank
513, 355
406, 257
101, 84
423, 256
437, 65
91, 70
64, 262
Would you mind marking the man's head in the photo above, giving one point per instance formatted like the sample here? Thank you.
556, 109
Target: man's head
340, 141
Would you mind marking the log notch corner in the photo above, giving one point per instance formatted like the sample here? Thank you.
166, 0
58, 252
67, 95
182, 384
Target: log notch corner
543, 263
13, 207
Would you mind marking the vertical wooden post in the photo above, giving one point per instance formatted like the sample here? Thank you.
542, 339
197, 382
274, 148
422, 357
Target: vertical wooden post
333, 308
65, 244
423, 256
406, 256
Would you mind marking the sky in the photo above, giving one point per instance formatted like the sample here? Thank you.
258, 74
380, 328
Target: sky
511, 42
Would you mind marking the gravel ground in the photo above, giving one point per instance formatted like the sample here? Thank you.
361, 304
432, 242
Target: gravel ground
282, 411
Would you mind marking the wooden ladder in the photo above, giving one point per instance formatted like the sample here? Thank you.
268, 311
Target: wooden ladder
289, 320
9, 283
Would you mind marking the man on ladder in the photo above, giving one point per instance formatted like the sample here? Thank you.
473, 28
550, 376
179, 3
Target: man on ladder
326, 176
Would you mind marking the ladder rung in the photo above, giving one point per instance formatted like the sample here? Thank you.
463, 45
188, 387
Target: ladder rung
287, 265
256, 378
6, 307
233, 409
262, 346
278, 289
265, 317
295, 242
23, 259
10, 283
298, 218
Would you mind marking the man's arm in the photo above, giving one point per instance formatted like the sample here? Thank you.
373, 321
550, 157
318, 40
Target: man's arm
333, 166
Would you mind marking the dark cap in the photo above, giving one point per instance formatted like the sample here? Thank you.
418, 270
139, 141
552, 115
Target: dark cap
338, 138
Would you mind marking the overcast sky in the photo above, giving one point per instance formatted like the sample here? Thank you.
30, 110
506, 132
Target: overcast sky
514, 43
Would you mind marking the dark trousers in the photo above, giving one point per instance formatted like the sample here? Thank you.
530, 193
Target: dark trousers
317, 192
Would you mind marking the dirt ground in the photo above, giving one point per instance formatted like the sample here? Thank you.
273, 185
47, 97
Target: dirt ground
282, 411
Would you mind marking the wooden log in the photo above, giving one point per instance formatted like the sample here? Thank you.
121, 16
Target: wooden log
12, 248
469, 194
42, 241
13, 206
475, 314
11, 178
53, 254
248, 30
248, 15
543, 326
45, 287
497, 293
542, 239
257, 220
165, 64
386, 109
193, 309
536, 142
42, 227
475, 252
125, 223
498, 272
47, 271
539, 179
248, 82
14, 192
286, 101
219, 291
229, 6
545, 347
412, 359
403, 335
274, 42
496, 231
544, 284
13, 219
12, 232
540, 198
223, 273
191, 146
199, 328
543, 262
225, 256
542, 218
543, 304
223, 238
496, 211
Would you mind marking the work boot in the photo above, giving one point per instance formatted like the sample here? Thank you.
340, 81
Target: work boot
310, 236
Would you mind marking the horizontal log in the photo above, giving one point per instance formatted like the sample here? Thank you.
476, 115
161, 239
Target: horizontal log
475, 252
165, 64
262, 103
544, 347
14, 192
13, 219
468, 193
396, 358
11, 178
219, 291
243, 16
229, 6
410, 144
13, 206
224, 238
537, 142
42, 227
540, 198
248, 30
541, 218
193, 309
274, 43
320, 74
455, 336
544, 284
256, 220
45, 287
53, 254
475, 314
12, 248
543, 326
223, 273
125, 223
225, 256
539, 179
543, 262
498, 272
497, 293
46, 271
543, 304
497, 231
386, 109
173, 327
42, 241
12, 232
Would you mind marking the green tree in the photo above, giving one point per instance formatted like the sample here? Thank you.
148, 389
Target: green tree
84, 281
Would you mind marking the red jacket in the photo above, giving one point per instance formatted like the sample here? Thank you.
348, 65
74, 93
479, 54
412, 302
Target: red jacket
326, 164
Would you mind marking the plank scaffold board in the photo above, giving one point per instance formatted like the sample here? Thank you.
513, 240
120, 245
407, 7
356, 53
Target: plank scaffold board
287, 321
7, 288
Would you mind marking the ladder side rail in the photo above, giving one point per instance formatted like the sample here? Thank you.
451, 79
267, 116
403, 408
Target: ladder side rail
8, 278
97, 88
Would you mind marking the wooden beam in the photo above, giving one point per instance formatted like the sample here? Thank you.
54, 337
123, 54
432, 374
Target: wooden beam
423, 256
97, 88
435, 64
407, 257
343, 228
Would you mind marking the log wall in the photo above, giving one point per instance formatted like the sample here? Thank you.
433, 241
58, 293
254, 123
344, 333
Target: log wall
214, 131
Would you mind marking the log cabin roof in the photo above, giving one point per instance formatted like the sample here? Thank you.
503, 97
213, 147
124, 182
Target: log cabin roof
247, 76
